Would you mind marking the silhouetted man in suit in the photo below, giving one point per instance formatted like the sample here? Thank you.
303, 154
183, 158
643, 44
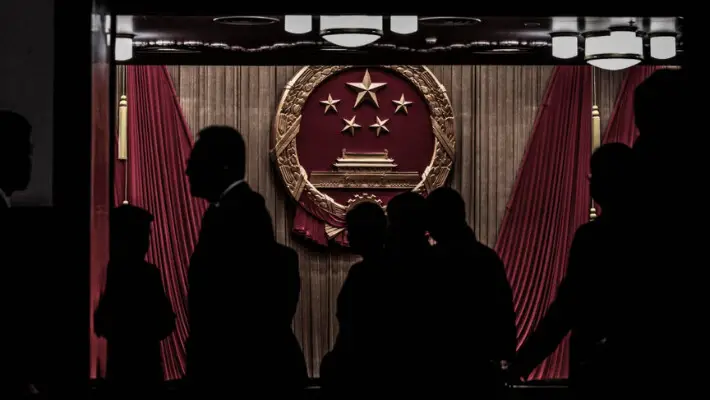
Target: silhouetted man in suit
15, 172
243, 286
134, 314
413, 351
662, 271
591, 300
351, 367
476, 295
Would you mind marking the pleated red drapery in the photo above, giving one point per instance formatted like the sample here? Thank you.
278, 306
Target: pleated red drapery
550, 200
159, 143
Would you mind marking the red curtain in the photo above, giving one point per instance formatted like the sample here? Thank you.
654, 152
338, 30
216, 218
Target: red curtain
100, 200
159, 143
622, 127
549, 201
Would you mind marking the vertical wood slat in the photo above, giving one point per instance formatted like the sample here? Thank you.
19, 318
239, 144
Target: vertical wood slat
494, 107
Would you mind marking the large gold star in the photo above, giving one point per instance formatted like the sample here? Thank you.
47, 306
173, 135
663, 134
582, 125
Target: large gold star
350, 125
330, 103
366, 88
380, 126
402, 104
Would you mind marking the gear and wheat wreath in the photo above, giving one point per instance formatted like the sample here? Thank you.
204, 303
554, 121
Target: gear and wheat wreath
286, 127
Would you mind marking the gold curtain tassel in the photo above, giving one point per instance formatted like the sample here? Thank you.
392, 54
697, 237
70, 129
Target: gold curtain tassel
596, 134
123, 128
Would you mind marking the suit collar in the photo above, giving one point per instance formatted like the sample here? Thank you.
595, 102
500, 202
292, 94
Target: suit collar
229, 190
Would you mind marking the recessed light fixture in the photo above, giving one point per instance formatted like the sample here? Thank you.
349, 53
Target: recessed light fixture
246, 20
351, 30
449, 21
615, 49
565, 45
124, 47
171, 50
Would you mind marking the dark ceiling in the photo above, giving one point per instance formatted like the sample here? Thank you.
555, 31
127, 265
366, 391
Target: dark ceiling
260, 40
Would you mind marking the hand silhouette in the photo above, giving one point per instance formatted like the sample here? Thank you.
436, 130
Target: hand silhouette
511, 374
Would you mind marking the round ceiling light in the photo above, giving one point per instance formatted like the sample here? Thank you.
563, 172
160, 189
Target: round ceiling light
298, 24
565, 45
404, 24
663, 45
124, 47
620, 48
351, 30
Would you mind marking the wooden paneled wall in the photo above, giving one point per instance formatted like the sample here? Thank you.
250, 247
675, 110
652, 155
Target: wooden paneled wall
495, 108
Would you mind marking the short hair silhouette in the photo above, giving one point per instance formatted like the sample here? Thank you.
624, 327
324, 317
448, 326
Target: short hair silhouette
447, 202
224, 146
612, 172
446, 212
130, 231
407, 213
367, 226
128, 218
659, 100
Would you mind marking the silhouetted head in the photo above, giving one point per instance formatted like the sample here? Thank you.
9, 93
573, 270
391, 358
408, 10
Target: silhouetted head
447, 214
130, 232
216, 161
659, 103
660, 110
612, 175
406, 214
15, 152
367, 226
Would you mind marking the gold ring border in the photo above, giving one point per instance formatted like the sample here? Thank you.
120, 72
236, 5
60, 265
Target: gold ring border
287, 123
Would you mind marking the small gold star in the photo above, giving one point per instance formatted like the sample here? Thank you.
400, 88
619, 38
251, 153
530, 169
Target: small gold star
330, 103
350, 125
366, 88
380, 126
402, 104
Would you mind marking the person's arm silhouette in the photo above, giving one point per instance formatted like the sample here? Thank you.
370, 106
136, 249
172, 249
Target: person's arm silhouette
504, 331
560, 316
102, 318
164, 315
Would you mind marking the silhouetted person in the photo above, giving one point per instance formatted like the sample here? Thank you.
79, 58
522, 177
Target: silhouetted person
243, 286
15, 171
664, 244
476, 296
134, 314
591, 300
413, 352
351, 366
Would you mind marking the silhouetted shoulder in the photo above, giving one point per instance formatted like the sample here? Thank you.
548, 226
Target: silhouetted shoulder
357, 269
587, 232
286, 254
487, 252
151, 267
242, 197
287, 251
153, 271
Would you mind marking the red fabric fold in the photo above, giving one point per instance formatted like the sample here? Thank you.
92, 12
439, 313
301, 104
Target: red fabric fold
550, 200
159, 143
